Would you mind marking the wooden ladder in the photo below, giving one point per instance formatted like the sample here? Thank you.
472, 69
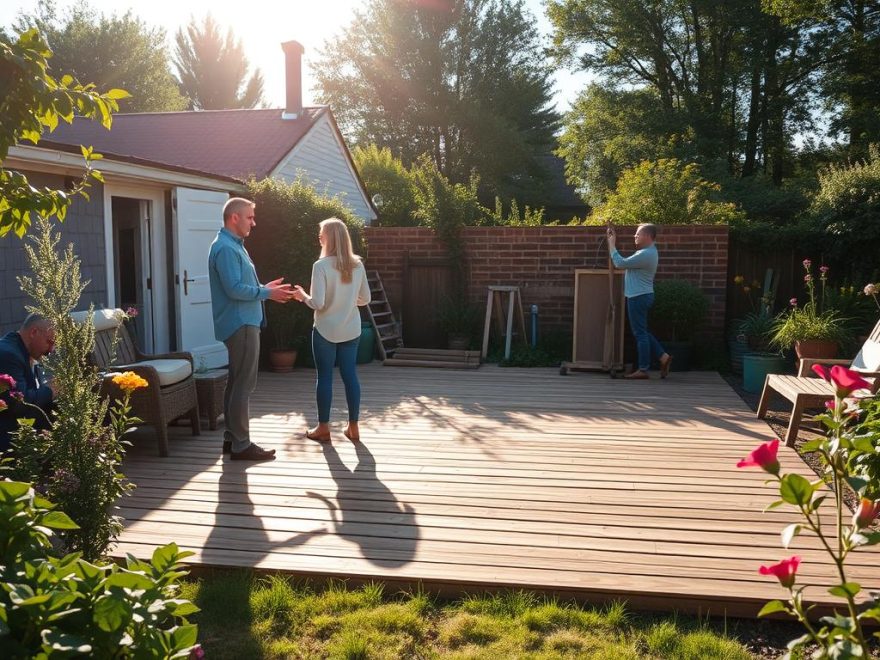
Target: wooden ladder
387, 329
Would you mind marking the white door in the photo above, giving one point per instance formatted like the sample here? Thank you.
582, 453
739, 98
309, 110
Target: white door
198, 216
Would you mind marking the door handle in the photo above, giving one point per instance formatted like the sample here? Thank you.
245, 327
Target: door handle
186, 281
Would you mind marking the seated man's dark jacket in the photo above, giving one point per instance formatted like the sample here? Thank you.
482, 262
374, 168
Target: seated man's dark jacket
15, 361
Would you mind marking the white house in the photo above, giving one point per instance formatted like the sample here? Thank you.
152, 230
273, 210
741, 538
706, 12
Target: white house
144, 235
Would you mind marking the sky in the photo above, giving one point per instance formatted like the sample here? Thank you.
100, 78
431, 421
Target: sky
262, 25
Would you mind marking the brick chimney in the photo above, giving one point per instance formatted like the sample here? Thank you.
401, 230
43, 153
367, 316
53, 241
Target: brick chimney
293, 51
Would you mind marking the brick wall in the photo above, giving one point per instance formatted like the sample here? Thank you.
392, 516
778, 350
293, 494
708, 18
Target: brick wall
542, 260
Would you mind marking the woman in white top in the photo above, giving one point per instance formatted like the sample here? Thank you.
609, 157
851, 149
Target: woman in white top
339, 287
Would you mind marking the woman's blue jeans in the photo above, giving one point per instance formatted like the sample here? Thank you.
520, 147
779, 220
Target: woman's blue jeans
647, 345
327, 354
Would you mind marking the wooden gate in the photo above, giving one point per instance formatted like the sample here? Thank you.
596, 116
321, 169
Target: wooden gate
426, 284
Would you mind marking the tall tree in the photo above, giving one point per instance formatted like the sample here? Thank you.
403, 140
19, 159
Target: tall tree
462, 80
735, 78
213, 69
109, 51
850, 34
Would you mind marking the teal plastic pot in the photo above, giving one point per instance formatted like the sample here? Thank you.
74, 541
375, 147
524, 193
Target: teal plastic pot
756, 366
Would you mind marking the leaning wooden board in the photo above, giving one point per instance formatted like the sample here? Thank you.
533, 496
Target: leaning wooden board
591, 303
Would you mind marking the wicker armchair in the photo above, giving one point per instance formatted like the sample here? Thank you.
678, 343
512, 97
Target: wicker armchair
172, 389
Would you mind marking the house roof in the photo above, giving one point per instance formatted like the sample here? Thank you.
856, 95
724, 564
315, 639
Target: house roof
232, 144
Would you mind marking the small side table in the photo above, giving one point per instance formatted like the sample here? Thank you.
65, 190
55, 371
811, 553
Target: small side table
210, 386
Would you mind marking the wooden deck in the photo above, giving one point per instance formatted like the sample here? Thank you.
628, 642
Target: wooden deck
579, 486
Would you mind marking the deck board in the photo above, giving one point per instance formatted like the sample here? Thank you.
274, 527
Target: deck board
579, 486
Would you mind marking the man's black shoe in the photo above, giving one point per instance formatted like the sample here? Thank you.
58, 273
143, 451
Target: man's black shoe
227, 446
254, 453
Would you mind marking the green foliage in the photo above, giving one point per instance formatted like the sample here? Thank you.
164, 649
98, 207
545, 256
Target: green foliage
385, 175
76, 463
679, 310
285, 244
758, 327
446, 207
459, 317
62, 607
465, 82
846, 450
846, 208
529, 217
31, 102
664, 192
609, 130
213, 70
814, 319
110, 51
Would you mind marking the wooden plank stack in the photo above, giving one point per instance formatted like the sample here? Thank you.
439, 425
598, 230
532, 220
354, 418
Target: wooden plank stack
434, 357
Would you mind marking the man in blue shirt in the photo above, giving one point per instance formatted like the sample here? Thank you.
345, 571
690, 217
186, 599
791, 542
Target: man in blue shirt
638, 288
237, 299
20, 352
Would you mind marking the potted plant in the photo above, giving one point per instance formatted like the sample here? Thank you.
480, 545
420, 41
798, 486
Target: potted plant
680, 308
814, 330
284, 338
459, 320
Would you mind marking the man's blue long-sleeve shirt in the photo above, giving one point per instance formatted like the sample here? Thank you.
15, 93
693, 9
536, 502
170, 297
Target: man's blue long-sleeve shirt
640, 269
236, 294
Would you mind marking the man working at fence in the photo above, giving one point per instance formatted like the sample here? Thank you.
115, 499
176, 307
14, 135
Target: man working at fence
638, 287
237, 299
20, 353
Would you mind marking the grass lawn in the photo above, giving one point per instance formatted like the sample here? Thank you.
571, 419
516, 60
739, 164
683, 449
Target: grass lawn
271, 617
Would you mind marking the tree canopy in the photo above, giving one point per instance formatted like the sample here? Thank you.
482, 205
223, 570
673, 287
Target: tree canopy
464, 81
213, 69
111, 52
32, 101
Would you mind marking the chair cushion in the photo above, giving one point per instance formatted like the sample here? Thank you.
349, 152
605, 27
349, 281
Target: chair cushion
102, 319
170, 371
868, 358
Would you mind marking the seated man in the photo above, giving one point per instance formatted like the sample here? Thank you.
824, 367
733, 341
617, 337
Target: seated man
20, 352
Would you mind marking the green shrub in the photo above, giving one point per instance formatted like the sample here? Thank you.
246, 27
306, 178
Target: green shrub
679, 310
285, 244
385, 175
664, 192
57, 608
847, 208
76, 462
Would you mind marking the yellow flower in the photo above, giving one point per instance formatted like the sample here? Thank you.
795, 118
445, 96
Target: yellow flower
739, 279
129, 381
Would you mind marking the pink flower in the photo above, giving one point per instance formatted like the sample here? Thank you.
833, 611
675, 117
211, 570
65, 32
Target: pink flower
7, 383
793, 302
824, 269
784, 571
197, 652
132, 312
845, 380
764, 457
3, 405
830, 404
866, 512
18, 396
807, 263
808, 278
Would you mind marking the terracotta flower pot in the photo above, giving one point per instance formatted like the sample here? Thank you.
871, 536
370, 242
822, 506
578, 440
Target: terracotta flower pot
816, 348
282, 360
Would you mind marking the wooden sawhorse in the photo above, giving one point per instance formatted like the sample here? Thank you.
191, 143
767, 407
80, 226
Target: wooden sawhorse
495, 303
